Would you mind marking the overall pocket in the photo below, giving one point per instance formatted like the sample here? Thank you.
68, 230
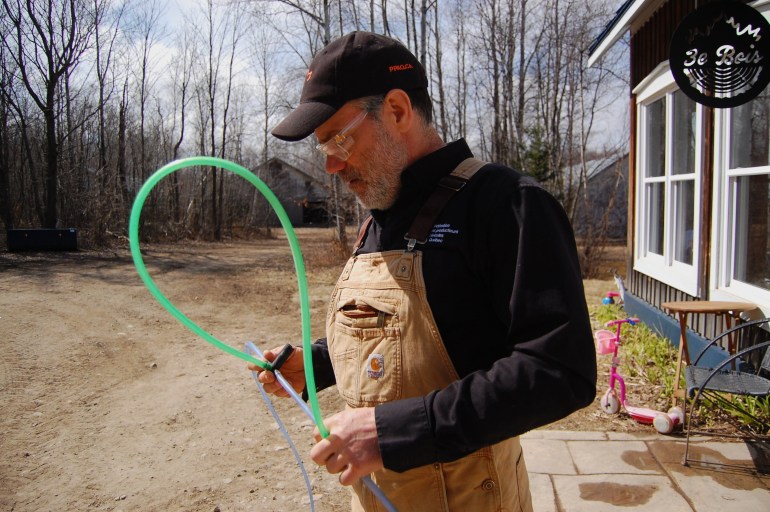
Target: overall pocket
366, 350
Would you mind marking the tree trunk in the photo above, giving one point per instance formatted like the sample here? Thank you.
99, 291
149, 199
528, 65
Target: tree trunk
121, 156
5, 183
51, 165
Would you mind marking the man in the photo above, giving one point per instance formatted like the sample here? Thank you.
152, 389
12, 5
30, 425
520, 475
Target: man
460, 321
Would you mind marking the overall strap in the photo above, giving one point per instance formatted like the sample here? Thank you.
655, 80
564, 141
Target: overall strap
448, 186
362, 234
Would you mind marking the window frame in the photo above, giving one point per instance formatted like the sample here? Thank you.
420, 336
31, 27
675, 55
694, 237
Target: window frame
723, 286
660, 84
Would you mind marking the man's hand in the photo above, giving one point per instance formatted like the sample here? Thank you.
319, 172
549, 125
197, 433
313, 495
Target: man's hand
293, 371
351, 448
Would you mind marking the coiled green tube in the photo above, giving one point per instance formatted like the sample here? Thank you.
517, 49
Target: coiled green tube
299, 267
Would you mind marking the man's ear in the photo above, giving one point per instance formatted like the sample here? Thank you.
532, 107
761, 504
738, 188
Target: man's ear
397, 110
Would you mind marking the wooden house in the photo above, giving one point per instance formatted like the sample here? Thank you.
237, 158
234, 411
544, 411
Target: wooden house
699, 169
605, 210
304, 197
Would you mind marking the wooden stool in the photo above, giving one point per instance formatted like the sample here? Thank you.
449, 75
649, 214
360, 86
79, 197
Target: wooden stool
728, 310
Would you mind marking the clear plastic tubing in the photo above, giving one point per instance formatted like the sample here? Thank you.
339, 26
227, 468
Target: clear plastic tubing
254, 350
368, 482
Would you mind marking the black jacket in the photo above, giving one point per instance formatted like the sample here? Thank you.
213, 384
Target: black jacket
504, 285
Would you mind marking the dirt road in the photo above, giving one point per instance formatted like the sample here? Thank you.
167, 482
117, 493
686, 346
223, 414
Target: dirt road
108, 403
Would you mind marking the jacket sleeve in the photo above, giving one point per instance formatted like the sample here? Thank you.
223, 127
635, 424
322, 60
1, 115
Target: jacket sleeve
323, 372
528, 260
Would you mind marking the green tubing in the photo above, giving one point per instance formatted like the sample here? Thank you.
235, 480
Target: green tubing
299, 267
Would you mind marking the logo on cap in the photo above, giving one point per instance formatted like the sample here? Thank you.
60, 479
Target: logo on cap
400, 67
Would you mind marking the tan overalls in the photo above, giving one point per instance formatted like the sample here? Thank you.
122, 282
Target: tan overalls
385, 346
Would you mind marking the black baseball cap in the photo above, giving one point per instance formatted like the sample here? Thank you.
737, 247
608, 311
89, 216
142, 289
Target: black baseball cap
353, 66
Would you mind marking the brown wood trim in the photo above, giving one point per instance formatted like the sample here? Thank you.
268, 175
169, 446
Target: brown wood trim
650, 43
631, 222
706, 201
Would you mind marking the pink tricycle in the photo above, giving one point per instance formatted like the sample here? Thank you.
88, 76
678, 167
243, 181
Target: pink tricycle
608, 342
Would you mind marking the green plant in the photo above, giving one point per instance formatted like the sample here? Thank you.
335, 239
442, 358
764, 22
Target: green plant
757, 415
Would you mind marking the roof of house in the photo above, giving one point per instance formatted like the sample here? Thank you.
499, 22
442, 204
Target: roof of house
275, 161
615, 29
595, 166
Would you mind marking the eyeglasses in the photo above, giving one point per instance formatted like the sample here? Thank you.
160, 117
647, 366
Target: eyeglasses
339, 145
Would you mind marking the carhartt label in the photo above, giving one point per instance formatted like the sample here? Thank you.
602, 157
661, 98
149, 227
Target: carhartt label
375, 366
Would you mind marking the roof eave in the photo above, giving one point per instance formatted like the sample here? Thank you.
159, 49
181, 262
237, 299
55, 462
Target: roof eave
615, 29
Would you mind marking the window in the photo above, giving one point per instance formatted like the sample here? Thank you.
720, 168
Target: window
742, 203
668, 170
751, 259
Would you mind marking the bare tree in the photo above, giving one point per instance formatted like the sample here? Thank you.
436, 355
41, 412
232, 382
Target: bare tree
108, 194
221, 31
47, 41
264, 56
148, 29
438, 64
6, 138
121, 163
568, 94
318, 20
422, 49
385, 23
182, 73
496, 48
456, 89
76, 141
321, 22
104, 46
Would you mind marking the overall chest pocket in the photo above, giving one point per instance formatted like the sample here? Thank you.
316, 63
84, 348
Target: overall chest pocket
366, 350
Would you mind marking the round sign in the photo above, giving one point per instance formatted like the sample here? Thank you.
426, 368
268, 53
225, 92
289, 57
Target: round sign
720, 54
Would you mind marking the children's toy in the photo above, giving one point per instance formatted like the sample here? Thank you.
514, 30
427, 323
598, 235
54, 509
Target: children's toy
608, 342
610, 298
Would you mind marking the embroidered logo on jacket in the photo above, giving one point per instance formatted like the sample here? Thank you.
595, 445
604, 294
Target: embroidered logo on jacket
375, 366
440, 231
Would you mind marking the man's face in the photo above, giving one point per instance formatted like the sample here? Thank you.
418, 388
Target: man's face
373, 169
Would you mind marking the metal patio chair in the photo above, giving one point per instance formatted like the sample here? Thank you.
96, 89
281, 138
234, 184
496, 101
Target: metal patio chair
745, 373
